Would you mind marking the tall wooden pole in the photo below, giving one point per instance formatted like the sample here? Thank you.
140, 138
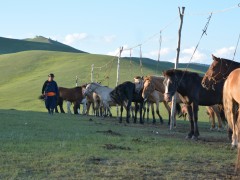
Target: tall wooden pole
92, 72
118, 65
173, 109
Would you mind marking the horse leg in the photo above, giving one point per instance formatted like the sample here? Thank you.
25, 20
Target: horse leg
121, 111
153, 113
140, 112
144, 110
128, 109
234, 117
169, 111
148, 106
190, 117
61, 105
75, 107
217, 112
68, 107
136, 110
195, 118
158, 112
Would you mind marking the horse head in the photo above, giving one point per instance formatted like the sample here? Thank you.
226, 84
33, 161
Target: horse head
148, 88
90, 88
171, 84
218, 71
138, 81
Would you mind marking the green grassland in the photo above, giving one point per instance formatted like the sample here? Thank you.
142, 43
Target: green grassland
35, 145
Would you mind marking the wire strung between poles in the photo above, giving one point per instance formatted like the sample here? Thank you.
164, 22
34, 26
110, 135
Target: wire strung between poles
141, 66
159, 50
236, 45
204, 32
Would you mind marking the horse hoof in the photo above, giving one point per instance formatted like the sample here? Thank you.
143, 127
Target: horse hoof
120, 121
195, 138
188, 137
141, 122
128, 121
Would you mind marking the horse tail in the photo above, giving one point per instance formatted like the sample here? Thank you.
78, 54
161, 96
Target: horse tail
227, 105
41, 97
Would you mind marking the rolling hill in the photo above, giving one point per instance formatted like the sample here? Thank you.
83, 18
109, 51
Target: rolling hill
38, 43
23, 71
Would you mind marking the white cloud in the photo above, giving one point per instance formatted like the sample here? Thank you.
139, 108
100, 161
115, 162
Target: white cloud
226, 52
109, 39
72, 38
186, 55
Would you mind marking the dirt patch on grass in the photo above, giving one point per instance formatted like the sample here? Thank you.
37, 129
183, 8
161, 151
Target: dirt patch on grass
109, 132
96, 160
115, 147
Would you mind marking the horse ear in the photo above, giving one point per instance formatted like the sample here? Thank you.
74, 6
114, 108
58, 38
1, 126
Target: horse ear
164, 73
214, 57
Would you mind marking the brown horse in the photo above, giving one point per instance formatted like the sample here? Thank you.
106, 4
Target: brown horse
218, 71
231, 102
188, 85
73, 95
154, 83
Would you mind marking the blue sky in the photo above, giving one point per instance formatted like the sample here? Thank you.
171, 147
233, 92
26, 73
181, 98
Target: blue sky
101, 27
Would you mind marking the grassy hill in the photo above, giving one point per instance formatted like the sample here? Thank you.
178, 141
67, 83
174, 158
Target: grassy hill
25, 64
23, 73
38, 43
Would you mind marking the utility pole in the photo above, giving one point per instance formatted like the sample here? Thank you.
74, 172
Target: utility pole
173, 109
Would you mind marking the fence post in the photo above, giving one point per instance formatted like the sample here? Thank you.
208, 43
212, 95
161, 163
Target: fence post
173, 109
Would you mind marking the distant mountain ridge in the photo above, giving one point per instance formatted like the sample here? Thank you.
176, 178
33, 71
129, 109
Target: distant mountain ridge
8, 45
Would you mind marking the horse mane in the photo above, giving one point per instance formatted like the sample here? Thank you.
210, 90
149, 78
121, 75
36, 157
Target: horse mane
223, 59
181, 73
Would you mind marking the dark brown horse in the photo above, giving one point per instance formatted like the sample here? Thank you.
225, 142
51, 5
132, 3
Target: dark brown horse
188, 85
73, 95
218, 71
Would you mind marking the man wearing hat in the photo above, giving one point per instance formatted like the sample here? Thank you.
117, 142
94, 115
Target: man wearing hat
50, 92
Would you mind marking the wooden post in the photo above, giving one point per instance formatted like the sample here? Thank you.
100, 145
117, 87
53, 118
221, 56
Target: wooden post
118, 65
76, 81
173, 109
118, 70
92, 72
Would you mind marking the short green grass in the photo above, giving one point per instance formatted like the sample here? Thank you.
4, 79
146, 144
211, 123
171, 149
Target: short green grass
35, 145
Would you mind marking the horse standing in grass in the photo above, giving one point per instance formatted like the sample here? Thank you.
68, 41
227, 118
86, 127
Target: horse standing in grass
152, 84
125, 94
73, 95
188, 85
103, 93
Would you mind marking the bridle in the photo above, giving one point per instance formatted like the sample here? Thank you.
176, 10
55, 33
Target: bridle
223, 75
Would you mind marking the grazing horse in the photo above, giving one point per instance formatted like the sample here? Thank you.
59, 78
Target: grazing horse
103, 93
125, 93
188, 85
154, 83
73, 95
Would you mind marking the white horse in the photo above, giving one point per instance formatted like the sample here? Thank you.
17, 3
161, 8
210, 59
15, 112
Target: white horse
103, 92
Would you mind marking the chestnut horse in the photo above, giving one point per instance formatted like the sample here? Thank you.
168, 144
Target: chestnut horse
155, 83
188, 85
218, 71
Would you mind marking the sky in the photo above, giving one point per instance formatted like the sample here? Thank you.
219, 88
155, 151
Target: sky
102, 27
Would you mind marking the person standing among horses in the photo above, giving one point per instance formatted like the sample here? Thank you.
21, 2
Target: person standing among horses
50, 92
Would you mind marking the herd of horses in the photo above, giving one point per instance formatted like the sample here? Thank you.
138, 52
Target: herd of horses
219, 90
